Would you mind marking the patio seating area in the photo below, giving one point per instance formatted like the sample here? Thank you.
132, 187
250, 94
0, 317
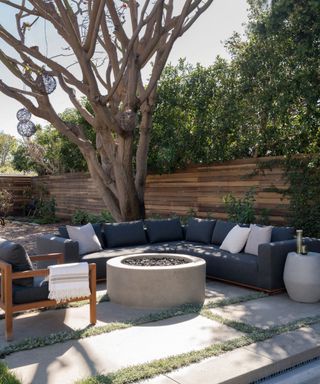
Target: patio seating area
237, 336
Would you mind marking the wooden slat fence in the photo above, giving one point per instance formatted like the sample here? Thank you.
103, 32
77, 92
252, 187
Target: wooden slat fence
72, 191
20, 188
198, 188
201, 189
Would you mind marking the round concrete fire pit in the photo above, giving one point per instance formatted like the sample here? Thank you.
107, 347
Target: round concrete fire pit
156, 286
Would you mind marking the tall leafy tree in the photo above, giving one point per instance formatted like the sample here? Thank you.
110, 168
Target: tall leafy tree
199, 117
109, 44
279, 72
7, 146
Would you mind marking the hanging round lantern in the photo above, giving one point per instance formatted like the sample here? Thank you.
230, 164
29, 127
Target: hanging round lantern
23, 115
26, 128
46, 83
128, 120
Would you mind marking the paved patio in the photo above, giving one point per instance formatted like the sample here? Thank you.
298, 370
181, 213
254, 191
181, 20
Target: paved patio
65, 362
229, 313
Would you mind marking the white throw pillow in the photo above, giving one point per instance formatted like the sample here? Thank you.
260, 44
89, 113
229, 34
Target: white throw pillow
235, 239
258, 235
86, 237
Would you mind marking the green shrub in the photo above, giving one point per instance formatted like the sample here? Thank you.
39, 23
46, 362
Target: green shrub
46, 212
303, 176
106, 217
81, 217
6, 377
241, 210
6, 202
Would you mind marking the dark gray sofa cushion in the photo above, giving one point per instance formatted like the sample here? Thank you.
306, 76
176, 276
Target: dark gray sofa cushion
97, 227
200, 230
239, 267
23, 295
63, 232
14, 254
101, 258
221, 229
282, 233
164, 230
124, 234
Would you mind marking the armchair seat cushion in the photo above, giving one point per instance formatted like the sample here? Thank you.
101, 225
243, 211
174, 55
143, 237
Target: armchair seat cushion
24, 295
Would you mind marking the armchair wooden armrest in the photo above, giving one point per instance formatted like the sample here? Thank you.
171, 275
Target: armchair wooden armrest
6, 298
33, 273
49, 256
4, 266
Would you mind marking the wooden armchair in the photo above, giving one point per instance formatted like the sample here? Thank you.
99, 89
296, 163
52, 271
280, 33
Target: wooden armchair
36, 297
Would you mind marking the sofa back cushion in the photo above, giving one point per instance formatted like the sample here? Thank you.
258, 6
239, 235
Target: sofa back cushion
236, 239
14, 254
96, 227
221, 229
86, 237
164, 230
282, 233
258, 235
124, 234
200, 230
63, 232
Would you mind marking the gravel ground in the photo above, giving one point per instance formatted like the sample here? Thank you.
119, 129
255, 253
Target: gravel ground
25, 233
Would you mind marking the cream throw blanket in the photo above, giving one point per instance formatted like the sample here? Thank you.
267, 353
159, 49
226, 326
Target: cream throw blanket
68, 281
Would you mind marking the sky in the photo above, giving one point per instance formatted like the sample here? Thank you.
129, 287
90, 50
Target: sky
200, 44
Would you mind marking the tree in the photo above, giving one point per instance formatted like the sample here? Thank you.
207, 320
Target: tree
278, 68
199, 117
7, 146
109, 44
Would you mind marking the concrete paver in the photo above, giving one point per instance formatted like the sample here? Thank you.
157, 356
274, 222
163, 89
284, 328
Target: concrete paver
287, 344
253, 362
269, 311
74, 318
67, 362
215, 290
34, 324
221, 369
162, 379
109, 352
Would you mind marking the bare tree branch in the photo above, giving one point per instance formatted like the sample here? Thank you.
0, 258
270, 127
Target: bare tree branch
110, 42
95, 20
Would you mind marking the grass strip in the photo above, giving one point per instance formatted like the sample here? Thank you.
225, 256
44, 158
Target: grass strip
6, 377
74, 304
165, 365
239, 326
235, 300
60, 337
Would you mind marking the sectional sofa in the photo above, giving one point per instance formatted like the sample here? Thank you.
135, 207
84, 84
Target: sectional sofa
259, 264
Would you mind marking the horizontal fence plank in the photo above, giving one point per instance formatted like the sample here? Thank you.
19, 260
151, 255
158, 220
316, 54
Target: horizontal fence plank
198, 188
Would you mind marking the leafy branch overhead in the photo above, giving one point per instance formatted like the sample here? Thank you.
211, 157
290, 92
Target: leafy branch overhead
106, 46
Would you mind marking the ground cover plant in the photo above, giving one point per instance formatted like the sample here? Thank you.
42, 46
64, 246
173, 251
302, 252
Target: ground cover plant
6, 377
